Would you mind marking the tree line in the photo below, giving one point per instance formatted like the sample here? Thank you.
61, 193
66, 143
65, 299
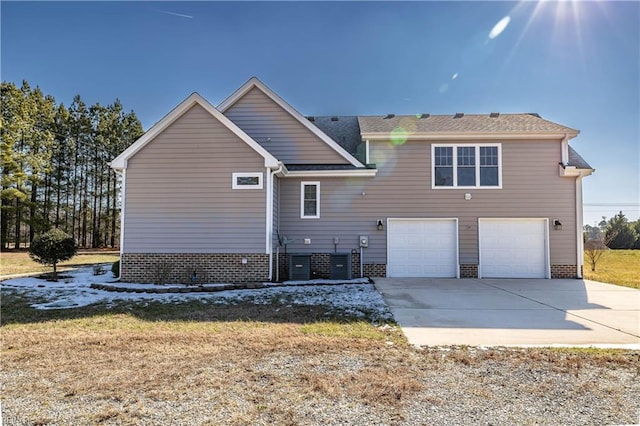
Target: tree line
54, 167
616, 232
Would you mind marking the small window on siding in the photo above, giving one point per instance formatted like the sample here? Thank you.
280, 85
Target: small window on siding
310, 200
247, 181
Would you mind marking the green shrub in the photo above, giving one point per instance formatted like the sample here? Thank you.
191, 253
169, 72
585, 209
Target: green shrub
52, 247
115, 268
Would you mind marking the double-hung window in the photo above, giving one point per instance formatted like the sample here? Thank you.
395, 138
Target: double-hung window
466, 166
310, 200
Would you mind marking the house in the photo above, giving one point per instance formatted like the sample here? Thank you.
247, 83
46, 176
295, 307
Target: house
229, 193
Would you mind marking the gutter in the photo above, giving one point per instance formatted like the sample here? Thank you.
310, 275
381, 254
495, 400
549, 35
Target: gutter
443, 136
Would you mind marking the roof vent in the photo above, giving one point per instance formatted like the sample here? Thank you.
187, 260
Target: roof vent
311, 118
494, 115
535, 114
390, 115
425, 115
334, 118
459, 115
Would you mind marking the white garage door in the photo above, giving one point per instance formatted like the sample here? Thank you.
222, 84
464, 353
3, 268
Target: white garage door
513, 248
422, 248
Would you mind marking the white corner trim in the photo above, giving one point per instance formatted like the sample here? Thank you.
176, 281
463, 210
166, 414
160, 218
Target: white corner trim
120, 162
255, 82
564, 147
122, 210
268, 214
366, 158
579, 225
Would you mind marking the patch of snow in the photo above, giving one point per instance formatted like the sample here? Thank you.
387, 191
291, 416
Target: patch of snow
360, 300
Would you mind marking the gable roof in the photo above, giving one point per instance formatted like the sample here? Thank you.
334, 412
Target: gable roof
120, 162
528, 125
253, 82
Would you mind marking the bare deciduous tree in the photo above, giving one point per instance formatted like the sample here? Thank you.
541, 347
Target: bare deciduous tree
594, 249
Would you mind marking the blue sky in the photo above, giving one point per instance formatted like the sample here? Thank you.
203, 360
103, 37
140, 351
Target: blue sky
573, 62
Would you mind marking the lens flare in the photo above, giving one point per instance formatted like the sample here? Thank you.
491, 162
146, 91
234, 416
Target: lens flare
499, 27
399, 136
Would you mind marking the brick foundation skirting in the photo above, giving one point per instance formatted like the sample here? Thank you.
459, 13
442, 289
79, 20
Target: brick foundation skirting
375, 269
468, 271
563, 271
179, 268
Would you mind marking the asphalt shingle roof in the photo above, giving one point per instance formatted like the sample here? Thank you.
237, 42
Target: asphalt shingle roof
502, 123
576, 160
345, 130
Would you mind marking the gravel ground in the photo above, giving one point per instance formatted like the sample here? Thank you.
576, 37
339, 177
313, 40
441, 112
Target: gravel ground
157, 365
436, 386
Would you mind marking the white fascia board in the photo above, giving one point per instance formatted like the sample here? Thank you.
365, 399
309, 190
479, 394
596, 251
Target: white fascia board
443, 136
120, 162
331, 173
254, 82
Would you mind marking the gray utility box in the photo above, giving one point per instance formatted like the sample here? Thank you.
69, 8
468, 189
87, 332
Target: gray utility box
300, 267
340, 266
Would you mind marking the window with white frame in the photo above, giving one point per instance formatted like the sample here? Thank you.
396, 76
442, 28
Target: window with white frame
246, 181
466, 166
310, 200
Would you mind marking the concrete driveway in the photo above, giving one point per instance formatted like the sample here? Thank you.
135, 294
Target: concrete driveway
522, 312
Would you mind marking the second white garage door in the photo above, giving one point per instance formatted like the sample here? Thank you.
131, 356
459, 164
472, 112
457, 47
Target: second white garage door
513, 248
422, 248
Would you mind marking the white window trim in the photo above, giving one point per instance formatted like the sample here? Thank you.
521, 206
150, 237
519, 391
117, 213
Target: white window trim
234, 180
455, 165
302, 185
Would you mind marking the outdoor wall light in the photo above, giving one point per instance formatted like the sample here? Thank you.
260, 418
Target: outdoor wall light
380, 225
557, 225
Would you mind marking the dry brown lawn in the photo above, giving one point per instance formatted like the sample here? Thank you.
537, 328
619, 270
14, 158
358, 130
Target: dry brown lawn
620, 267
206, 365
18, 261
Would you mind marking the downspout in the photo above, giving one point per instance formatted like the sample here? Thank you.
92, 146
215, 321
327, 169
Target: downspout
269, 242
579, 219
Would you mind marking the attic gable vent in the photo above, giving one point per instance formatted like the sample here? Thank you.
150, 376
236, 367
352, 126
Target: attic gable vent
390, 115
334, 118
494, 115
425, 115
459, 115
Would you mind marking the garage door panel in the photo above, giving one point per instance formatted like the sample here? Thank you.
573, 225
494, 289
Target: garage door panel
515, 248
422, 248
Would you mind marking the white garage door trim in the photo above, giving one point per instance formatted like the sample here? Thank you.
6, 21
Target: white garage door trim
546, 273
455, 267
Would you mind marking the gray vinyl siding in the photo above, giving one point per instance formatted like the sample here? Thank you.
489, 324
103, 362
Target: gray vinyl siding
276, 209
179, 197
531, 188
290, 142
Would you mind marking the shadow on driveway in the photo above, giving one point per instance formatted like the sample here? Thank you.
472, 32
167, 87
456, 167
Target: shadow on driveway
513, 312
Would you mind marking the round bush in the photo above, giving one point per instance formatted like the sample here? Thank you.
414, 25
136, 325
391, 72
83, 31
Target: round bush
53, 247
